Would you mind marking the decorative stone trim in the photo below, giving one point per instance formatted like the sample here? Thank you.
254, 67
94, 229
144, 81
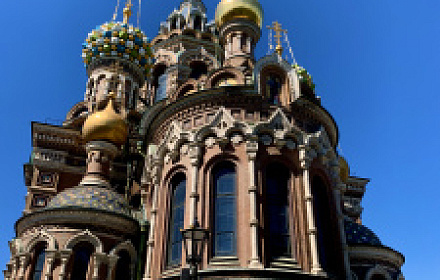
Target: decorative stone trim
376, 254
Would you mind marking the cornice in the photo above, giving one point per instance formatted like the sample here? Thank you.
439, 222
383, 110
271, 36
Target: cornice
78, 216
376, 254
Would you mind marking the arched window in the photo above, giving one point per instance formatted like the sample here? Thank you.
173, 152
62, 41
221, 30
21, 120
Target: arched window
198, 68
328, 245
123, 270
198, 23
273, 88
160, 82
174, 23
81, 258
225, 224
277, 211
40, 257
177, 213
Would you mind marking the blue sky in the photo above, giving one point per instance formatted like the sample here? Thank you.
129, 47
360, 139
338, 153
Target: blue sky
376, 65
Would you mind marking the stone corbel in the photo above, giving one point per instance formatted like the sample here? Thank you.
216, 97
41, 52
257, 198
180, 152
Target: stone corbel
23, 259
50, 259
64, 255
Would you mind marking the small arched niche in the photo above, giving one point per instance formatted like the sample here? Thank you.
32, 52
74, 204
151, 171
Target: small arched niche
198, 69
274, 85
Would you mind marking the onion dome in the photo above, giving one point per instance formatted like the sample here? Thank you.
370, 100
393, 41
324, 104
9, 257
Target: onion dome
344, 169
121, 41
357, 234
228, 10
90, 197
105, 125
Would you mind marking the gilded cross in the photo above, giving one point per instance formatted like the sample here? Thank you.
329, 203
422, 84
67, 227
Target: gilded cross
276, 26
127, 11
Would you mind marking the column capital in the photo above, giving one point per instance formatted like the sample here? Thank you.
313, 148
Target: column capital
195, 153
252, 148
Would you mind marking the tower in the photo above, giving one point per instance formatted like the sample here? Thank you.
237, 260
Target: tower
239, 24
190, 129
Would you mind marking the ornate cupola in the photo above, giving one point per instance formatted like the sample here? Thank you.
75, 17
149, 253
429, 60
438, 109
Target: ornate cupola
117, 57
239, 23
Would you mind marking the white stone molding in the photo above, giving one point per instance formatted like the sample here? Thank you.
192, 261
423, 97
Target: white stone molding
41, 236
275, 60
112, 260
305, 161
64, 256
98, 259
378, 270
127, 246
199, 54
195, 152
50, 260
85, 236
23, 262
252, 150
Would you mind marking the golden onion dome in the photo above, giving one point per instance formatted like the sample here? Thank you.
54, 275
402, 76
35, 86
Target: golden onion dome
105, 125
228, 10
344, 169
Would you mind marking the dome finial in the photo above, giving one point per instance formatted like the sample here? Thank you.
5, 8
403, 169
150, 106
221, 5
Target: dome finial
127, 11
276, 26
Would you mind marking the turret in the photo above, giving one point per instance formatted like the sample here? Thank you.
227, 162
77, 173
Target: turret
239, 23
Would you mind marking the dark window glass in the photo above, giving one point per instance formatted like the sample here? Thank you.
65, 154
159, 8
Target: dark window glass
39, 264
277, 196
198, 23
273, 88
81, 263
329, 257
177, 214
225, 210
123, 266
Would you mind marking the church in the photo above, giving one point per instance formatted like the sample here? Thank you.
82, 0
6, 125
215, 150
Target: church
188, 158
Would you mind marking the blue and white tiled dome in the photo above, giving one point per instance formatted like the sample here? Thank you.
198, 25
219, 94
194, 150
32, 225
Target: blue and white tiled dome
86, 197
118, 40
357, 234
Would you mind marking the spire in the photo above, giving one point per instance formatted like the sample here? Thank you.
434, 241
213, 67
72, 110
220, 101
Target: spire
127, 11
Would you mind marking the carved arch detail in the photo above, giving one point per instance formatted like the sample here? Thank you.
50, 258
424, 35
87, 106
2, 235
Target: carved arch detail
85, 236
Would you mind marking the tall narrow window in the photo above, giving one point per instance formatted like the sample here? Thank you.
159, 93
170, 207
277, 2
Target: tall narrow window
39, 263
273, 88
177, 211
81, 259
123, 266
224, 179
277, 197
329, 257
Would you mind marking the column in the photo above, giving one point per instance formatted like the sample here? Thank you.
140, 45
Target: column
305, 161
111, 263
97, 260
50, 259
150, 243
194, 155
251, 150
14, 268
65, 255
23, 263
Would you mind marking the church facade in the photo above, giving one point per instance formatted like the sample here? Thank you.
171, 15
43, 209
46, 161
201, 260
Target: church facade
191, 128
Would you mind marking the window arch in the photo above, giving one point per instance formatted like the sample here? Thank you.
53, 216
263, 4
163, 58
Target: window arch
278, 227
328, 244
224, 201
123, 269
82, 253
176, 220
38, 266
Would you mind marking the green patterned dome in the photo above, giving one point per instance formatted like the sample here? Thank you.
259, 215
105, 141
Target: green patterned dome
360, 235
118, 40
87, 197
